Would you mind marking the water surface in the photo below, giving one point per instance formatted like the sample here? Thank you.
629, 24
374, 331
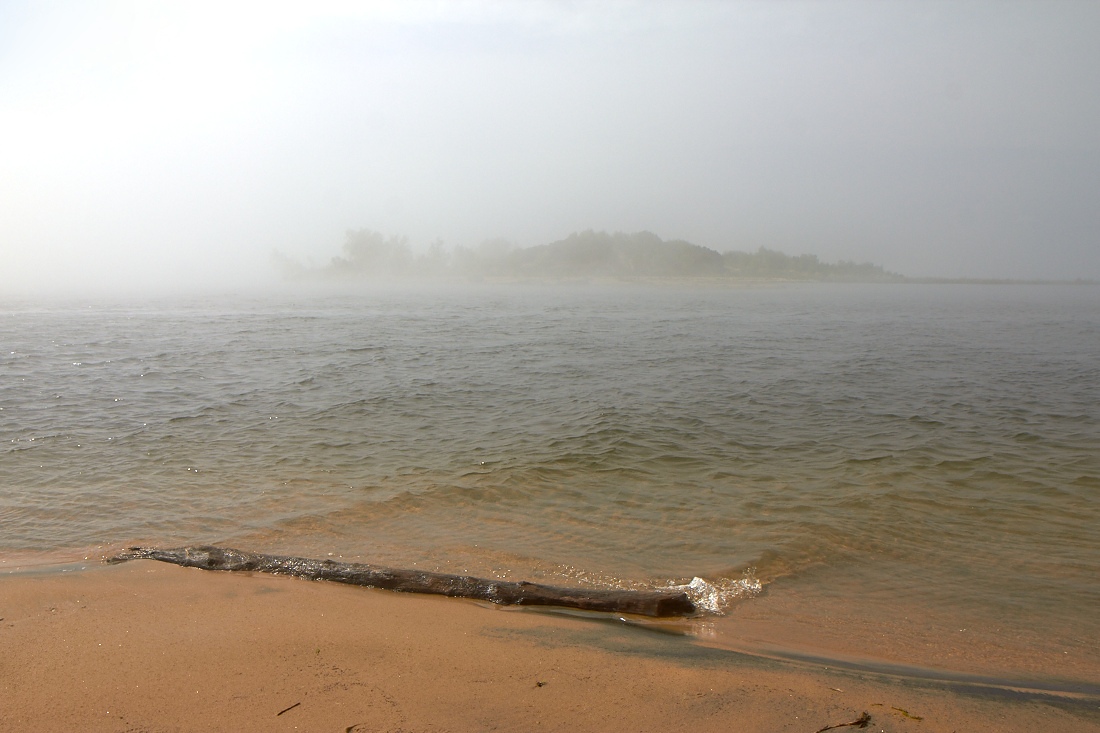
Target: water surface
905, 473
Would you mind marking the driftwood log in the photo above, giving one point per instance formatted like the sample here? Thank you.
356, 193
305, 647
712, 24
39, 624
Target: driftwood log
508, 593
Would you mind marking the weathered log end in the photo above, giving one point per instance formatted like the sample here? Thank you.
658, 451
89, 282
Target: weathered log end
657, 603
207, 557
130, 553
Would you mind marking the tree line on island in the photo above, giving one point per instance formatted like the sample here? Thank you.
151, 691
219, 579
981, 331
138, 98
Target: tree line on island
580, 256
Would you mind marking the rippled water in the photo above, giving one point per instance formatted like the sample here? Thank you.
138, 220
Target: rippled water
897, 461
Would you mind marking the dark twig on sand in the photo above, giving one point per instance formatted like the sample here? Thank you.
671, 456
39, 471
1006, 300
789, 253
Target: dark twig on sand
643, 603
287, 710
861, 722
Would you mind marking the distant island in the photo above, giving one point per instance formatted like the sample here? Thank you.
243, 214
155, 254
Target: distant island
588, 255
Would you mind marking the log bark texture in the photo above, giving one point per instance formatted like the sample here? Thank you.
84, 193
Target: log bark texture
508, 593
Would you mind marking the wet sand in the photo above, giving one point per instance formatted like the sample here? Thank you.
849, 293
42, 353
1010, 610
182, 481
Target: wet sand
145, 646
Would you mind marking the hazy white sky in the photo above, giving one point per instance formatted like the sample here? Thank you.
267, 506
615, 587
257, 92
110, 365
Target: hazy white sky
160, 143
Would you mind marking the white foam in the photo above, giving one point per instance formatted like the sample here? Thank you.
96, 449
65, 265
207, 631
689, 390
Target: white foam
718, 596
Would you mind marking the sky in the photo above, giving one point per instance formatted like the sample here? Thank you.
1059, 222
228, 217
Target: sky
178, 144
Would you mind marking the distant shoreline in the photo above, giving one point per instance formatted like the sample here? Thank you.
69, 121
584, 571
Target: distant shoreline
993, 281
639, 257
726, 281
765, 281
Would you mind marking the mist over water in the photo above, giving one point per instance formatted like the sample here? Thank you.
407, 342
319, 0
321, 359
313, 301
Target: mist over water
931, 450
175, 146
897, 473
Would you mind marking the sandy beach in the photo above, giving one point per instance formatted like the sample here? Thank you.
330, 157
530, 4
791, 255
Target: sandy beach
145, 646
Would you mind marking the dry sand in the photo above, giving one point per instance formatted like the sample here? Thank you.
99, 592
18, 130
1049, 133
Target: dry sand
151, 647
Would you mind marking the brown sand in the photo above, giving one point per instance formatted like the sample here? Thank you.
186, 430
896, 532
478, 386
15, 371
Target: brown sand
150, 647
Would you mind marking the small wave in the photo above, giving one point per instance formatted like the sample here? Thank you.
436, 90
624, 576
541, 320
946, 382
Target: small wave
717, 597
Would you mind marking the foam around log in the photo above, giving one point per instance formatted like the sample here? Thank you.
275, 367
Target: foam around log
508, 593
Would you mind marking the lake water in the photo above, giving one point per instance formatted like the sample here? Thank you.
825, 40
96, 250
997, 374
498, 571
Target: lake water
901, 474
